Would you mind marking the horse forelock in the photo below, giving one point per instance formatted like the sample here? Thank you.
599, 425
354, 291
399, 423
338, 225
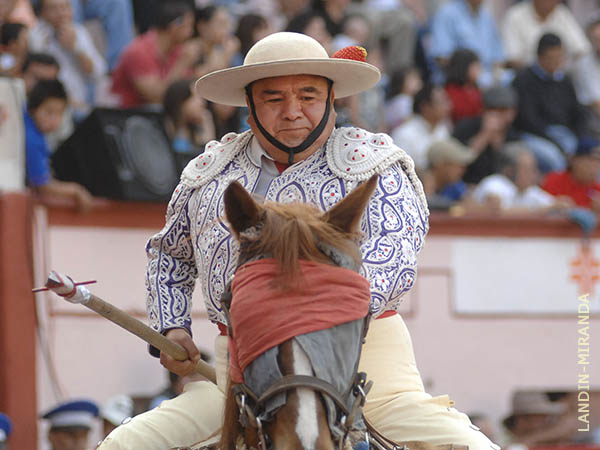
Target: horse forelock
290, 232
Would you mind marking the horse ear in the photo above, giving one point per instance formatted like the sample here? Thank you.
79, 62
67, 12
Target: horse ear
347, 213
241, 210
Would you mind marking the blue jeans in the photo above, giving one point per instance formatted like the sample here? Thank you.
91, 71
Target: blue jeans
116, 17
549, 156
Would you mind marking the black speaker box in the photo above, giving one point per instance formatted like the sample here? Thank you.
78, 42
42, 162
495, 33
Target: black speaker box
119, 154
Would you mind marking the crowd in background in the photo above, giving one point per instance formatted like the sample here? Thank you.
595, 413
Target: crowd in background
500, 110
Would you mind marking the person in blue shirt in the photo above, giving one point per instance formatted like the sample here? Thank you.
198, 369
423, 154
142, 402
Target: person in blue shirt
468, 24
46, 105
5, 429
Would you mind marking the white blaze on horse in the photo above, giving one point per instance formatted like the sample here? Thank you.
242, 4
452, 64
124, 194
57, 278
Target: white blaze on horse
298, 312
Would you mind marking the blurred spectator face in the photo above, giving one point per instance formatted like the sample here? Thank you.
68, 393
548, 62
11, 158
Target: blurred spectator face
439, 107
218, 28
68, 440
317, 30
357, 28
552, 59
192, 110
527, 173
48, 116
525, 424
18, 46
182, 28
594, 35
545, 7
412, 83
475, 4
36, 72
57, 12
473, 72
453, 172
585, 169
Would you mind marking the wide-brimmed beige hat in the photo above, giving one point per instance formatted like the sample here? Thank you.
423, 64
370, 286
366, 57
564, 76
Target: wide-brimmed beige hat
281, 54
532, 402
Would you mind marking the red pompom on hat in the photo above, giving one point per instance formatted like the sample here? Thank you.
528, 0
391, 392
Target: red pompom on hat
353, 52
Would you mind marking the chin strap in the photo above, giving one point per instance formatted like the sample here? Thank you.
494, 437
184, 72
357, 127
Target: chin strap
310, 139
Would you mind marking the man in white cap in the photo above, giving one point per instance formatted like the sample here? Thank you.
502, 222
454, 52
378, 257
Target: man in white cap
70, 424
292, 153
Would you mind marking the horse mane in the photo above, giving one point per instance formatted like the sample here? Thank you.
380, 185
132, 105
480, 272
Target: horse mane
290, 232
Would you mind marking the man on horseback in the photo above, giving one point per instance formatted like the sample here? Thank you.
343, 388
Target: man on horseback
293, 153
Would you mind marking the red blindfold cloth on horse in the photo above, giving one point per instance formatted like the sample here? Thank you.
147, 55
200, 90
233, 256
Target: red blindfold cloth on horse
263, 316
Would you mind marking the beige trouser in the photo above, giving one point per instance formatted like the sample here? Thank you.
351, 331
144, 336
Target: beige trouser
397, 405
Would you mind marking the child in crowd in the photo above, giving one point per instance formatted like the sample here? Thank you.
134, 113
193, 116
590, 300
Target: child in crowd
462, 73
46, 105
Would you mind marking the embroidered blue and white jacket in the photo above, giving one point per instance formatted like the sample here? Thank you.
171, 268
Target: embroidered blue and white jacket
196, 241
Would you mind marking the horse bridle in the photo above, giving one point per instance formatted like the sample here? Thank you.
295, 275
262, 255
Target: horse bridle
251, 406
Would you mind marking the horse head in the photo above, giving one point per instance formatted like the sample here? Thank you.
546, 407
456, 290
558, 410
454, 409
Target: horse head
297, 311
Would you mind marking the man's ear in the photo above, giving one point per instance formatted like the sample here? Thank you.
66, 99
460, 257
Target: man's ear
345, 216
241, 210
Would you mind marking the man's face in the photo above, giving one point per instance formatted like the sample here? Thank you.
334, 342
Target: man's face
585, 169
48, 116
36, 72
527, 173
182, 28
68, 440
552, 59
289, 108
439, 105
56, 12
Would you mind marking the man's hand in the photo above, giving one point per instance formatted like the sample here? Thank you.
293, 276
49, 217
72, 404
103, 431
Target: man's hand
181, 368
66, 36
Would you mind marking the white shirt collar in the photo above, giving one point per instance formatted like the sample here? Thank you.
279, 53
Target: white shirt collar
256, 153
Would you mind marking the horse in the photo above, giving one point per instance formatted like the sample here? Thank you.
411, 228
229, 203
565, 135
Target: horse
276, 397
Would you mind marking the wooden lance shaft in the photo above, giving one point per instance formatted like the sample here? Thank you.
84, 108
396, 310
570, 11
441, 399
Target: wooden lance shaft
77, 294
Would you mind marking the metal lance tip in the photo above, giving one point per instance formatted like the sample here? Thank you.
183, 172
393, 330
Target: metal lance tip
54, 280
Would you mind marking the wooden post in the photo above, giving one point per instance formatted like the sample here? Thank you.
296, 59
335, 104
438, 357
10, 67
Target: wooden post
18, 397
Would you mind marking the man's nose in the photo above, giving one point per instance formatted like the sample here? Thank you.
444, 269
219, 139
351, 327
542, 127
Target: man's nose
292, 109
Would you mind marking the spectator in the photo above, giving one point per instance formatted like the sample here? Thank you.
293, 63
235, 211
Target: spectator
187, 120
462, 73
394, 30
468, 24
116, 17
550, 116
17, 11
515, 189
218, 44
356, 31
447, 160
333, 13
250, 29
587, 77
157, 58
70, 424
312, 24
580, 180
13, 48
428, 124
526, 21
404, 85
46, 105
39, 66
487, 134
81, 66
116, 410
5, 429
536, 421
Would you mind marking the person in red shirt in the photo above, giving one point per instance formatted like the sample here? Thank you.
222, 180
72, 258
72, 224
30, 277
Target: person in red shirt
580, 181
157, 58
462, 73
